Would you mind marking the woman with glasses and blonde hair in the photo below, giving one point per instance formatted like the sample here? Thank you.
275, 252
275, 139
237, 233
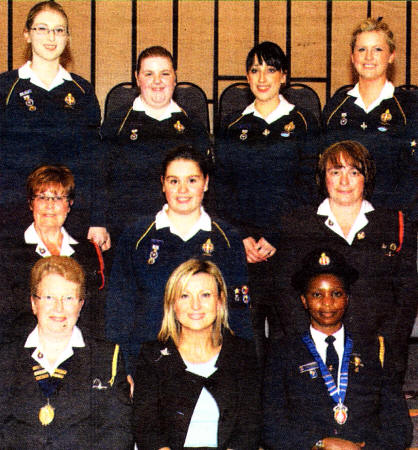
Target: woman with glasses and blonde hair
50, 116
378, 115
197, 386
62, 388
51, 192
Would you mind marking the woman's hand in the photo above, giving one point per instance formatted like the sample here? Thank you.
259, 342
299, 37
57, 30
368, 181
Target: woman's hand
341, 444
258, 251
100, 236
131, 384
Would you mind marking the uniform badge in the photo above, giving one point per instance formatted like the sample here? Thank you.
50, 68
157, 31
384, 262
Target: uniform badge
288, 129
311, 367
356, 362
153, 254
266, 132
361, 235
208, 248
244, 134
384, 119
242, 294
343, 119
363, 126
134, 134
97, 384
330, 223
390, 249
69, 99
179, 127
324, 260
413, 145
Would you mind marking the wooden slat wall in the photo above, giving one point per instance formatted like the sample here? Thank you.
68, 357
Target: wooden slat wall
210, 38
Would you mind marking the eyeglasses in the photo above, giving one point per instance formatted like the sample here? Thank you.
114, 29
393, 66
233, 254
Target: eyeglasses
66, 299
43, 30
54, 199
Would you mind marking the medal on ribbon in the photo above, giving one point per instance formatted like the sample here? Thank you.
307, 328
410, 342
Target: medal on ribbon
244, 134
134, 134
46, 414
340, 411
343, 119
155, 247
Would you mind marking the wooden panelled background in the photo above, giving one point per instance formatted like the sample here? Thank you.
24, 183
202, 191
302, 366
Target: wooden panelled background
210, 38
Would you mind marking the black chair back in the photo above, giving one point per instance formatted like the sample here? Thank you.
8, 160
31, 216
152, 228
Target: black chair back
303, 96
188, 96
234, 99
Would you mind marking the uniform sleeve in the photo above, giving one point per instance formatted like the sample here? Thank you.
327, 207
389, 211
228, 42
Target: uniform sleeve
121, 299
114, 414
147, 425
279, 432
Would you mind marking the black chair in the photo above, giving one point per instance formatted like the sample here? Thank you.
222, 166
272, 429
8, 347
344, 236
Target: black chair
188, 96
234, 99
303, 96
345, 88
408, 87
193, 100
120, 96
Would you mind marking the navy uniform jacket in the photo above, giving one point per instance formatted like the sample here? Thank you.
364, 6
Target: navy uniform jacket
136, 147
262, 171
392, 150
382, 301
134, 304
55, 133
17, 259
298, 410
166, 394
85, 418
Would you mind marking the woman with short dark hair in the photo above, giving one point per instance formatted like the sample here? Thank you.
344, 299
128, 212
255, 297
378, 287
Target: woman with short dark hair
377, 241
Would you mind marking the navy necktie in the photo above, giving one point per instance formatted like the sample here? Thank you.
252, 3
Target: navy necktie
332, 357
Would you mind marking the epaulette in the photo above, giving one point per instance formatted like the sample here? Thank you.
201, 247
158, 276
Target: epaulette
81, 89
400, 109
145, 233
11, 91
114, 364
304, 120
223, 233
124, 120
381, 350
337, 108
235, 121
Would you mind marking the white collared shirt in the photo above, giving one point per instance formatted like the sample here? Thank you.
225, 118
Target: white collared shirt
140, 105
203, 223
361, 221
385, 93
26, 72
283, 109
32, 237
321, 346
38, 355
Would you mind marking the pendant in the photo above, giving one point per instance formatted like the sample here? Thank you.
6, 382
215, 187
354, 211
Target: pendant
46, 414
340, 413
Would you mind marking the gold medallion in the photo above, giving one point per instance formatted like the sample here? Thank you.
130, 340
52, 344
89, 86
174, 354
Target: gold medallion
46, 414
179, 127
386, 116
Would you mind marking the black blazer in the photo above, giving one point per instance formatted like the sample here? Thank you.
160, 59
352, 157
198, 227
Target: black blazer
166, 395
85, 418
298, 410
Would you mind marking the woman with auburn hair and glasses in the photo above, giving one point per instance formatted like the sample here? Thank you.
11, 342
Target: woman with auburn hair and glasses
377, 241
383, 118
62, 388
50, 116
197, 386
51, 193
140, 136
